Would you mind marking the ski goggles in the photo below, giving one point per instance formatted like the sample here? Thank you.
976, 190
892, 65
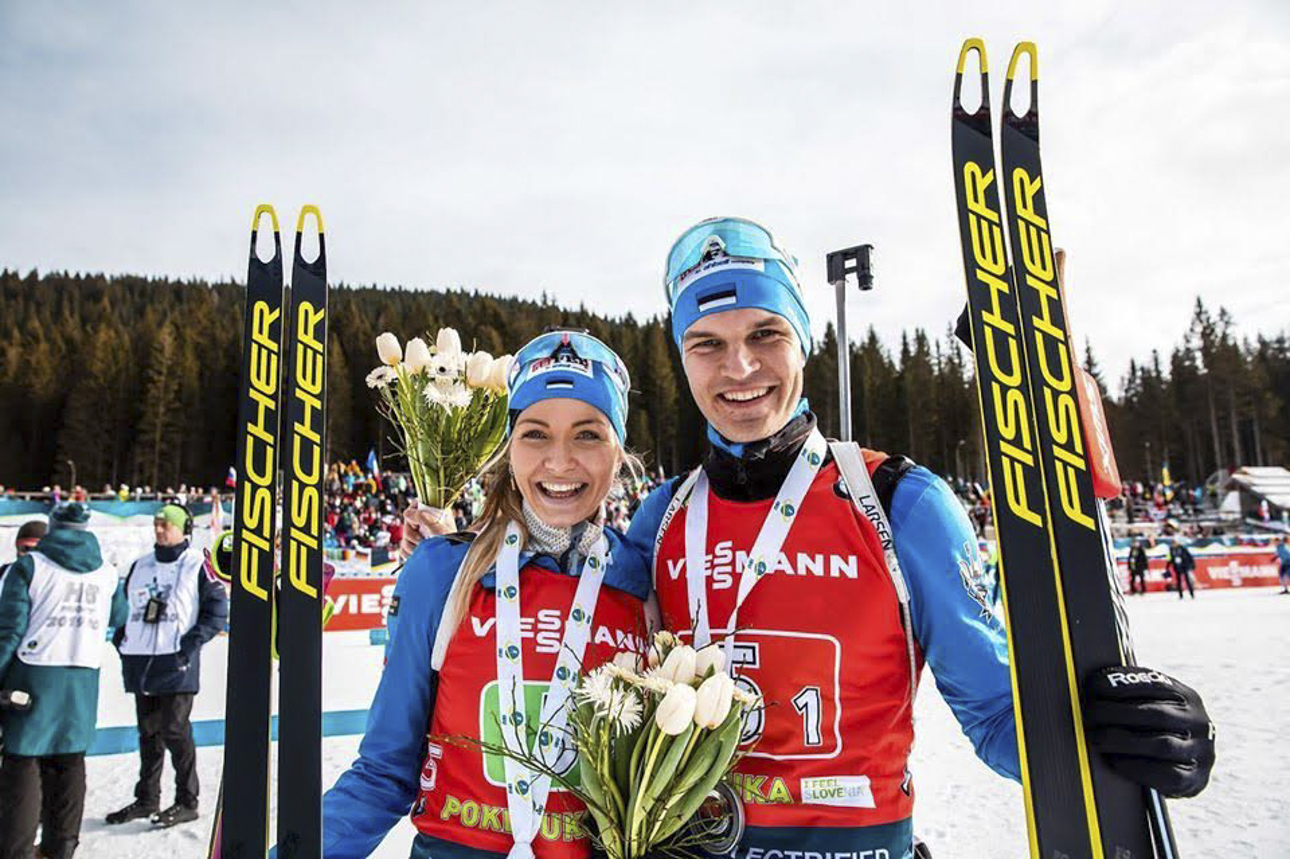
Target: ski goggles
739, 238
730, 264
570, 365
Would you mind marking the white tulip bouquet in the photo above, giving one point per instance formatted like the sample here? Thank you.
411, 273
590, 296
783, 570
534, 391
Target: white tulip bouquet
655, 734
448, 408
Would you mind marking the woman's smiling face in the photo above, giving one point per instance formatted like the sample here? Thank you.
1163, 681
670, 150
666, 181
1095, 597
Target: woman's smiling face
564, 455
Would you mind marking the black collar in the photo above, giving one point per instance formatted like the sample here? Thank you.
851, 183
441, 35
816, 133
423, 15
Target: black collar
760, 472
168, 554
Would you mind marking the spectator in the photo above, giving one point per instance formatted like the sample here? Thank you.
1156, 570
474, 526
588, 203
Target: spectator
1180, 565
174, 609
1138, 563
54, 612
29, 534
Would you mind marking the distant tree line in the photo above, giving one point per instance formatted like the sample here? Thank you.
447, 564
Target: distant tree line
134, 380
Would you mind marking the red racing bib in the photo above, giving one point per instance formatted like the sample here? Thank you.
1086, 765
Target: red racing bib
821, 640
462, 795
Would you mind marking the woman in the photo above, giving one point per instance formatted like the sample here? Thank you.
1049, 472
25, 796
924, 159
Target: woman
488, 622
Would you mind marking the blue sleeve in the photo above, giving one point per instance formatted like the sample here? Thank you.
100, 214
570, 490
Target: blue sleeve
380, 786
647, 519
212, 613
120, 611
962, 640
15, 610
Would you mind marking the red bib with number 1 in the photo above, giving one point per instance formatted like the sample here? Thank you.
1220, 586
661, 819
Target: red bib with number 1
820, 639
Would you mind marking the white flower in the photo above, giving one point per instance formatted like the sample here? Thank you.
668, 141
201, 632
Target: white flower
459, 396
499, 373
477, 364
387, 346
746, 698
627, 660
596, 688
417, 357
446, 365
436, 394
709, 657
713, 700
676, 709
655, 681
679, 664
664, 641
381, 377
626, 710
447, 342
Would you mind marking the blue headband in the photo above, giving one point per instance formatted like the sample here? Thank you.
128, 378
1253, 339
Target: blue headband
728, 264
570, 365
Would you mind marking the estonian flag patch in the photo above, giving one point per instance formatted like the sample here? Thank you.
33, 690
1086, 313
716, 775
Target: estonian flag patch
559, 383
719, 298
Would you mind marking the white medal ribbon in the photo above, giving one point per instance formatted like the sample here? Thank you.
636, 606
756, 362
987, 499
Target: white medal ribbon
526, 792
765, 551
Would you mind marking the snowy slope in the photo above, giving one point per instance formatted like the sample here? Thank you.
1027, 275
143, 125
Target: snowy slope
1229, 644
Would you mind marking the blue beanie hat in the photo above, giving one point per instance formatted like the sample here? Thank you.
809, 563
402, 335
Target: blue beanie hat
570, 365
731, 263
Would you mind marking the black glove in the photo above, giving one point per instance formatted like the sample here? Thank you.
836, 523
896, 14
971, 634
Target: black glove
16, 700
1151, 729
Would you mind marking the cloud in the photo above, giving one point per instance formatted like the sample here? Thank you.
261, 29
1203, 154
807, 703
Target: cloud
560, 147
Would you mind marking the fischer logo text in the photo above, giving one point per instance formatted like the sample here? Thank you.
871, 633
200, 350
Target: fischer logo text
1001, 351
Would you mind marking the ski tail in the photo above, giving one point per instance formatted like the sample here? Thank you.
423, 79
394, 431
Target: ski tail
1054, 769
1097, 630
245, 813
300, 598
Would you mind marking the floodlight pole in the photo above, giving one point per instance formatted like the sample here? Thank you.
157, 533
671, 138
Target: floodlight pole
856, 260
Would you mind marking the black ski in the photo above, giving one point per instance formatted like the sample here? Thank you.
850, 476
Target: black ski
300, 597
1099, 634
244, 819
1060, 814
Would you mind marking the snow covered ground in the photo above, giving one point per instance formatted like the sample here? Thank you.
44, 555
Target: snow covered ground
1229, 644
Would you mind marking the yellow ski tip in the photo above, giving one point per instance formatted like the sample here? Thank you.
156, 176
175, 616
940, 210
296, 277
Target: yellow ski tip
264, 208
305, 211
970, 45
1028, 49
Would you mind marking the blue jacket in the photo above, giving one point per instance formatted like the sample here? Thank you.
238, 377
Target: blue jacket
962, 639
64, 698
381, 785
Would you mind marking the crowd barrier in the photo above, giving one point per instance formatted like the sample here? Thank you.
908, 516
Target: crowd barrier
210, 732
1231, 568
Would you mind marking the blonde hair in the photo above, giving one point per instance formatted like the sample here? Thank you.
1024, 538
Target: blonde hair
504, 504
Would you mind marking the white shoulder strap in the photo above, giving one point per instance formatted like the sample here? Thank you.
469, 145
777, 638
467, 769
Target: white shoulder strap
678, 501
443, 634
855, 474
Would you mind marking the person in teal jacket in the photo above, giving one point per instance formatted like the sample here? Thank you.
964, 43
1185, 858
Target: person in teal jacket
56, 606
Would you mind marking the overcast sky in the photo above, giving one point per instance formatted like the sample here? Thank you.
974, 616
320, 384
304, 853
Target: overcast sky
561, 147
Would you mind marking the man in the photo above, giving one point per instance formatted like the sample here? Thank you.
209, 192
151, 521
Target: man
1180, 565
828, 773
29, 534
1138, 564
175, 608
56, 604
